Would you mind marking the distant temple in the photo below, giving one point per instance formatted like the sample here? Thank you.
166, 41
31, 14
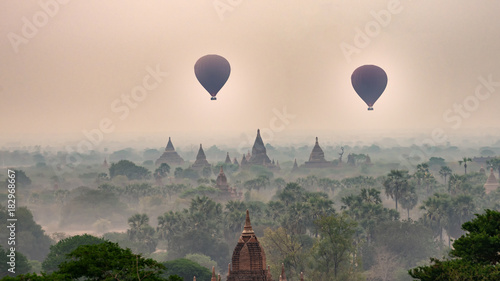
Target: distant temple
105, 164
244, 160
317, 158
201, 160
223, 186
482, 160
492, 183
482, 170
228, 160
170, 156
235, 162
259, 155
295, 166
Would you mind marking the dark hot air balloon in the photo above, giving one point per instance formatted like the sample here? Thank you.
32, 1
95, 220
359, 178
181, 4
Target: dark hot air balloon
212, 71
369, 81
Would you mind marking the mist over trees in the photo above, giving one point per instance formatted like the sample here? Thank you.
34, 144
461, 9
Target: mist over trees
359, 221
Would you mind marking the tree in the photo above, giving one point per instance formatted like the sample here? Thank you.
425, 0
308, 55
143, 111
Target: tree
141, 231
422, 172
107, 261
444, 172
436, 161
35, 243
161, 172
21, 178
464, 161
332, 252
367, 209
437, 215
22, 265
283, 247
476, 255
65, 246
409, 199
495, 164
128, 169
90, 206
186, 269
396, 184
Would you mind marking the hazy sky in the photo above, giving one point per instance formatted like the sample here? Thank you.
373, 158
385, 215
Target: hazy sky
65, 68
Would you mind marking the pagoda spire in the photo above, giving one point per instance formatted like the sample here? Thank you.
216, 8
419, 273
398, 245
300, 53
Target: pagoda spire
248, 226
214, 278
283, 275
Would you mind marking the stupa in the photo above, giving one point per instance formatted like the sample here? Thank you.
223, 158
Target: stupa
249, 259
201, 160
492, 183
170, 156
317, 158
259, 154
228, 159
223, 186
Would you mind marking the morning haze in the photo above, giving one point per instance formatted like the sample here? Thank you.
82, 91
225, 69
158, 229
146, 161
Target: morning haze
107, 132
65, 79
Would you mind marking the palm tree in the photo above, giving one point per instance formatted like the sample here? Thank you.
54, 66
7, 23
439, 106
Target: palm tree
409, 199
444, 172
465, 160
161, 172
395, 184
136, 223
422, 172
437, 208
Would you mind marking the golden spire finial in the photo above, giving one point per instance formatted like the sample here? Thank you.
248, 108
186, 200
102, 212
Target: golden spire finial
248, 226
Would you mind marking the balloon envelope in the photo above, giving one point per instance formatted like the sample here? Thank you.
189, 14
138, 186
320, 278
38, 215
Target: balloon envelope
212, 71
369, 81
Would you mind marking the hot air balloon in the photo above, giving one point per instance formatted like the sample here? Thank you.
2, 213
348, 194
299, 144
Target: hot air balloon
369, 81
212, 71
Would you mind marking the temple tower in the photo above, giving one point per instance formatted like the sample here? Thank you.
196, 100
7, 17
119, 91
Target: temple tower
170, 156
492, 183
317, 158
201, 159
249, 258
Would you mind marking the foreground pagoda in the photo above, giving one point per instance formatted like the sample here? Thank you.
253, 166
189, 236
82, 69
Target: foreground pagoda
249, 259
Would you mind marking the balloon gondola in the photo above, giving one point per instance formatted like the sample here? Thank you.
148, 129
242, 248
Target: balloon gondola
212, 71
369, 81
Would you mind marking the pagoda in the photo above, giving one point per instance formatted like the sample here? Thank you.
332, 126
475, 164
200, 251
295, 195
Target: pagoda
259, 154
295, 166
317, 158
228, 159
170, 156
492, 183
201, 160
249, 259
222, 185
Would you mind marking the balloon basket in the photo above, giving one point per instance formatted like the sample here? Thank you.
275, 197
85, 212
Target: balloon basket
213, 98
370, 108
